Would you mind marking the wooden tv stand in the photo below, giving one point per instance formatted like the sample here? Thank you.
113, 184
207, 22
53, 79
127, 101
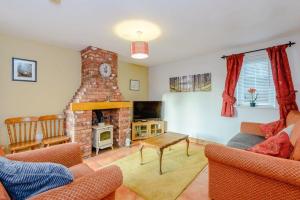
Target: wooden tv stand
147, 129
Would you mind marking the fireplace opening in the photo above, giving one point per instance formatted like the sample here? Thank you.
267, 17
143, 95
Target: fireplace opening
97, 117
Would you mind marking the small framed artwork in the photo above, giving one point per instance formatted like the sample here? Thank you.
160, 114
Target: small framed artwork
24, 70
134, 85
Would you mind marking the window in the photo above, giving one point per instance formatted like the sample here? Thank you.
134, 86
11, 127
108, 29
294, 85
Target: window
256, 73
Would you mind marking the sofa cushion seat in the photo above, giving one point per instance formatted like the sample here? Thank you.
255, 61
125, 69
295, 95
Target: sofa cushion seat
80, 170
245, 141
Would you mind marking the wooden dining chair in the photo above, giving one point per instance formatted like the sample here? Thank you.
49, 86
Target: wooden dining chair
53, 128
22, 133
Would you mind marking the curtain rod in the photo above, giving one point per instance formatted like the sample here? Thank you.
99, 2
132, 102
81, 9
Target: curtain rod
289, 44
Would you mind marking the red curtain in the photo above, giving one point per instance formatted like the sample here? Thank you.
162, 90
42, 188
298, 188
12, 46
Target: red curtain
285, 92
234, 66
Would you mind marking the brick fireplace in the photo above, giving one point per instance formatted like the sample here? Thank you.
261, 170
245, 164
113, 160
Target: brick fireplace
94, 93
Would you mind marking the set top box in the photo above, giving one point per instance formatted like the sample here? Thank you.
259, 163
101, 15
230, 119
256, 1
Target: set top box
146, 110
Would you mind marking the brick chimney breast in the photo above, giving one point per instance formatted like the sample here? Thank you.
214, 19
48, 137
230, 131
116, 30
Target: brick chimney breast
95, 88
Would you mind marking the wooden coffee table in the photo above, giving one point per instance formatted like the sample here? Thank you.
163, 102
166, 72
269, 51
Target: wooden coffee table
163, 141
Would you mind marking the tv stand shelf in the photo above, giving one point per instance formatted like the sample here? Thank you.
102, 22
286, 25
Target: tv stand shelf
147, 129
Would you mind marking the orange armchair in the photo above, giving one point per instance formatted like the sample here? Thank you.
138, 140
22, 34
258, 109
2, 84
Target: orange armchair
240, 175
88, 184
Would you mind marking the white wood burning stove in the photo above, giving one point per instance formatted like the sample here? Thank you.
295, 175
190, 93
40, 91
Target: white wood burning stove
102, 137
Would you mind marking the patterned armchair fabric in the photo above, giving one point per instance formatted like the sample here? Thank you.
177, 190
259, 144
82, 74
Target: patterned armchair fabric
66, 154
240, 175
93, 185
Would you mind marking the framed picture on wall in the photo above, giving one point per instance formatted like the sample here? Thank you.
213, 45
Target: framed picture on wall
24, 70
134, 85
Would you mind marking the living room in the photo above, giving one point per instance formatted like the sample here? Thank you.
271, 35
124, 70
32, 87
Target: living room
149, 99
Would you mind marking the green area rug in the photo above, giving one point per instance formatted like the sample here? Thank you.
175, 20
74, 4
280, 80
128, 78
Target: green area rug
178, 171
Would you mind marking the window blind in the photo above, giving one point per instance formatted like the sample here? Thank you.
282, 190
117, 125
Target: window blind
256, 73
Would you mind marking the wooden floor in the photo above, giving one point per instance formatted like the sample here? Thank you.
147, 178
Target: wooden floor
197, 190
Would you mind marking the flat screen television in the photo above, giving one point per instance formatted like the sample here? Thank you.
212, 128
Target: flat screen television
145, 110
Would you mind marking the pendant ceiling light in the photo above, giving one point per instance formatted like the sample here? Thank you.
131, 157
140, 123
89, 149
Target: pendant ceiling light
139, 49
139, 33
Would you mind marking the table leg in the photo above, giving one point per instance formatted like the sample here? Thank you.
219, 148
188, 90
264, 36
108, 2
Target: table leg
141, 152
187, 146
160, 154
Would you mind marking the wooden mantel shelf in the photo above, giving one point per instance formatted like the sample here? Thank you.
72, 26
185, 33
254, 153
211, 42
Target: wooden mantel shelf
100, 105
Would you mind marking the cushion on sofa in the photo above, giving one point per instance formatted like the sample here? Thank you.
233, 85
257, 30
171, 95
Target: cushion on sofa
295, 133
272, 128
245, 141
25, 179
288, 130
278, 145
3, 193
80, 170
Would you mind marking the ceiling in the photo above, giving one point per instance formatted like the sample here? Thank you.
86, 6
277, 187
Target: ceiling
188, 27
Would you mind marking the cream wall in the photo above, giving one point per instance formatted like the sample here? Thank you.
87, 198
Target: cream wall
129, 71
58, 77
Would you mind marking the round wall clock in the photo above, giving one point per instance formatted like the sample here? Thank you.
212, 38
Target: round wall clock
105, 70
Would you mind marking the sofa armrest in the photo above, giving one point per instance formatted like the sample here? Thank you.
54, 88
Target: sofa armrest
283, 170
66, 154
251, 128
94, 186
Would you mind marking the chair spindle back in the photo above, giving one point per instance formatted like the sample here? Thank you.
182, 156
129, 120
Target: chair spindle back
52, 125
21, 129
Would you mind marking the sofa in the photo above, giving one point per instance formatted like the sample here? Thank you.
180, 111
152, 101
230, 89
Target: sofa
238, 174
87, 184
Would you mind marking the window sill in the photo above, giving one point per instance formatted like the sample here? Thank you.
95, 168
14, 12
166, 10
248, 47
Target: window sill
256, 107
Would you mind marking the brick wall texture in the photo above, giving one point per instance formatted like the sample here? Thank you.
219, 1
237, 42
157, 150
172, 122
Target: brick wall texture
95, 88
